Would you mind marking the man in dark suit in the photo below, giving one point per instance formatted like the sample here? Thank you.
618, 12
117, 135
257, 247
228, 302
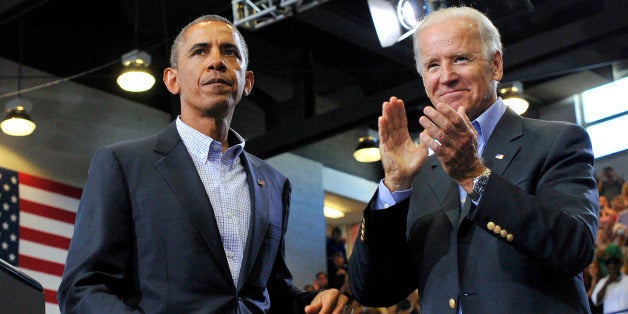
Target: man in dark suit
502, 217
186, 221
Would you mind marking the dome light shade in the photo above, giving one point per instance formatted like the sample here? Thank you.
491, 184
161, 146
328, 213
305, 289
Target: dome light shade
516, 103
367, 150
332, 213
512, 95
136, 77
17, 122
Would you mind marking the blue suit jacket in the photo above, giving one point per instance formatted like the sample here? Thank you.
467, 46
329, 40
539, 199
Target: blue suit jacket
521, 250
146, 238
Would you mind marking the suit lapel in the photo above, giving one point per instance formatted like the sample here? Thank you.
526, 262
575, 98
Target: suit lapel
501, 147
445, 189
177, 168
258, 190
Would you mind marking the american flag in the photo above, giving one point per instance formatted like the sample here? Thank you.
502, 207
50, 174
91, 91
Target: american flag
36, 225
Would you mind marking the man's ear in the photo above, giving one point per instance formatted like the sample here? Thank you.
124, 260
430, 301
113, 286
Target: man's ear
249, 78
170, 80
497, 66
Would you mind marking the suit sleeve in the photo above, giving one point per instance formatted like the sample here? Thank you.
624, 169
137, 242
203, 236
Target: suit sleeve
551, 210
380, 256
97, 272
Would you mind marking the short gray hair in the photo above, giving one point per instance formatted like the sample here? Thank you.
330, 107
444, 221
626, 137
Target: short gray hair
491, 40
174, 50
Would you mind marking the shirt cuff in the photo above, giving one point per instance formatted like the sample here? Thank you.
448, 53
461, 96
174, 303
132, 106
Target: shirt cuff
386, 199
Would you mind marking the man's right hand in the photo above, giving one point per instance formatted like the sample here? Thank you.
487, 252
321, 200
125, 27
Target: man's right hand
401, 158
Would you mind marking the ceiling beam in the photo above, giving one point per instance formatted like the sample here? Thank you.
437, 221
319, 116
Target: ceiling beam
614, 17
362, 111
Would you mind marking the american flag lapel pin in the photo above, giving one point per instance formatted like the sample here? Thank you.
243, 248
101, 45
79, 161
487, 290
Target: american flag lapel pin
499, 156
261, 182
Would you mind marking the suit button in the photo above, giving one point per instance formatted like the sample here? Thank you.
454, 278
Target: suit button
503, 233
510, 237
497, 229
362, 231
490, 225
452, 303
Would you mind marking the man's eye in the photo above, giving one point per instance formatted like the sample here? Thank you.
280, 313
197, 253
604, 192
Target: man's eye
197, 52
461, 59
231, 52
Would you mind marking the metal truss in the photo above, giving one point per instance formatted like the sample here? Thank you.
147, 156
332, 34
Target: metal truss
253, 15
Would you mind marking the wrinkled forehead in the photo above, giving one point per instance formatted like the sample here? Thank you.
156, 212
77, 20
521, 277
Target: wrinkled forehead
211, 31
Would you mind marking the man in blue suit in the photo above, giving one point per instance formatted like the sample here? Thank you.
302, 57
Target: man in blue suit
502, 218
186, 221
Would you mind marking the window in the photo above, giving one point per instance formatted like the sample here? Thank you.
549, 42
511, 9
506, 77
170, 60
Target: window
603, 112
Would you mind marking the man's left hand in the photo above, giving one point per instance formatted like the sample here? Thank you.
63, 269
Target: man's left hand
328, 301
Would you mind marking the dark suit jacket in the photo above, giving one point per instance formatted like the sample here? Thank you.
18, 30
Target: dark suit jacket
146, 238
521, 250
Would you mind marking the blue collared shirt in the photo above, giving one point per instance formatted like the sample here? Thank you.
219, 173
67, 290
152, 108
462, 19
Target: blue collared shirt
224, 179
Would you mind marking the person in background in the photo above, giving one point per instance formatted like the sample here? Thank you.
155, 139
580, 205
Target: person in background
608, 214
592, 275
335, 243
610, 183
622, 215
624, 192
612, 290
502, 218
340, 278
321, 282
604, 247
186, 220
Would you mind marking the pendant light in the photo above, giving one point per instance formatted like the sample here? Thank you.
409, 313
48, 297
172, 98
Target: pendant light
17, 121
136, 77
512, 95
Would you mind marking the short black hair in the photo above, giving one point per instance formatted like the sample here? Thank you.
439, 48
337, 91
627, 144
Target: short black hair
613, 260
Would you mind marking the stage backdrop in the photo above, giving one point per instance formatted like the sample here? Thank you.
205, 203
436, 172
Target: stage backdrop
36, 225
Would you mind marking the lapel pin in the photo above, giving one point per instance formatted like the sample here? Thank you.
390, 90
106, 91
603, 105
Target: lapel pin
499, 156
261, 182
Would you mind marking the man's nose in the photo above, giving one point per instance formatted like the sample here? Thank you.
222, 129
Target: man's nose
216, 62
447, 74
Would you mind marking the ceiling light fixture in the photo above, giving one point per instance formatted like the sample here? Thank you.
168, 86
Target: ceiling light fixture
332, 213
136, 77
16, 121
404, 15
367, 150
512, 95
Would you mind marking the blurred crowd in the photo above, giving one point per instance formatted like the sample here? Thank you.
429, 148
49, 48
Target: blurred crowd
609, 269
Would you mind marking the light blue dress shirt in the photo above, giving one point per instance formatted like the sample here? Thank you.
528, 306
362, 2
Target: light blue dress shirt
224, 179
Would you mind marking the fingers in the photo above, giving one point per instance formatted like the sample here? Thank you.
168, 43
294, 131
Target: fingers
445, 126
430, 142
452, 137
315, 305
393, 119
328, 301
442, 122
